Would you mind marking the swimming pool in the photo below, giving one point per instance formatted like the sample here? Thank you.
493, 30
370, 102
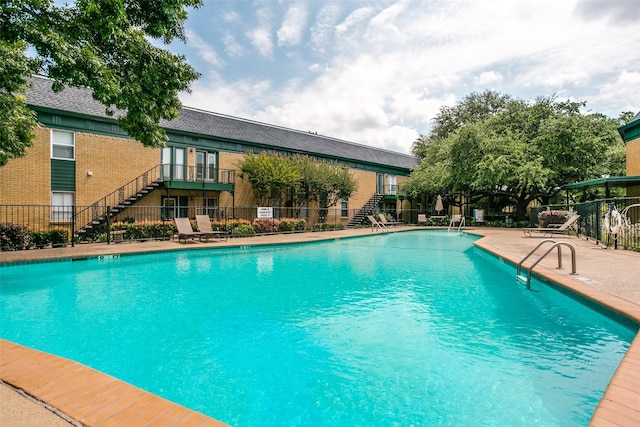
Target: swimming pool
408, 329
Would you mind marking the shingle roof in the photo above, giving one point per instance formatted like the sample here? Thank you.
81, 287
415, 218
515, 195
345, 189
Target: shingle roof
80, 101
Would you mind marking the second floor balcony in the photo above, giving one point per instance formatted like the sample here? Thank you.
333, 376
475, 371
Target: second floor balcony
197, 177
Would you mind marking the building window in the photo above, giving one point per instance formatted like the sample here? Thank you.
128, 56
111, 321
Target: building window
61, 206
173, 163
344, 208
393, 186
206, 169
62, 145
208, 206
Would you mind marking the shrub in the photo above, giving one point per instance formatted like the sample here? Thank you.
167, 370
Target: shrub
552, 217
146, 230
58, 237
265, 225
327, 227
40, 239
233, 223
218, 225
243, 230
292, 224
14, 237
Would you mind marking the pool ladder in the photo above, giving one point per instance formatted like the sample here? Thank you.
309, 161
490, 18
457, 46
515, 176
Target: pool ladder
555, 244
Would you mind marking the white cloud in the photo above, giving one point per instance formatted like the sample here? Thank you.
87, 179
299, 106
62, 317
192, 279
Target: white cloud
355, 18
378, 75
293, 26
260, 37
232, 17
488, 78
232, 47
322, 31
620, 94
204, 50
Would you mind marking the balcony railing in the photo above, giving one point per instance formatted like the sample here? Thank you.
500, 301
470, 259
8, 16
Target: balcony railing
205, 174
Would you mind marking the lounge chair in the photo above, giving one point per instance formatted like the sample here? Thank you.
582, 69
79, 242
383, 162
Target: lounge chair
383, 220
553, 229
204, 227
375, 225
185, 231
422, 218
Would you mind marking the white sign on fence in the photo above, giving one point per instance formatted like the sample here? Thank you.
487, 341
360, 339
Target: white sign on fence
478, 215
265, 212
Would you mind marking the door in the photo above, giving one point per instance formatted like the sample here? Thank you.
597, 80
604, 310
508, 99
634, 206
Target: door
179, 163
392, 184
166, 163
175, 207
201, 157
379, 183
206, 166
169, 208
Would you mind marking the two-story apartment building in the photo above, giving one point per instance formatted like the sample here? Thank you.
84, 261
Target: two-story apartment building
82, 160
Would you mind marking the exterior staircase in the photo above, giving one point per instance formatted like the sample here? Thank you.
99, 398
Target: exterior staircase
114, 203
367, 209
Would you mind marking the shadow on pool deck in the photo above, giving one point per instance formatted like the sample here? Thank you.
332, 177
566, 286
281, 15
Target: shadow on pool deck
607, 276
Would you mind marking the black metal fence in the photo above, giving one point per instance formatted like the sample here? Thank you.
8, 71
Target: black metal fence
41, 225
66, 224
600, 222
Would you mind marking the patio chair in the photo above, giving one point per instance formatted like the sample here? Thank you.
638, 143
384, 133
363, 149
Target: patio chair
383, 220
375, 225
553, 229
422, 218
204, 227
185, 231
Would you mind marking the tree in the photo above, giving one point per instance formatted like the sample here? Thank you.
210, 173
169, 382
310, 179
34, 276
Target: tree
516, 151
475, 107
339, 184
272, 176
101, 44
300, 178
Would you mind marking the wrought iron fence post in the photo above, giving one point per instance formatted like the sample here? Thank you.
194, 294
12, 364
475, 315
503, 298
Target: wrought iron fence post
73, 225
108, 225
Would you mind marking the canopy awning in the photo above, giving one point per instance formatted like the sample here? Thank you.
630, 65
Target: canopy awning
612, 181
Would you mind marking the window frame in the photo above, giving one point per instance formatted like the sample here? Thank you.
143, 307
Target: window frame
62, 213
344, 208
57, 143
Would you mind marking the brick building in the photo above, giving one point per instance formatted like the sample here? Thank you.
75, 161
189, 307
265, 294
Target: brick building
82, 161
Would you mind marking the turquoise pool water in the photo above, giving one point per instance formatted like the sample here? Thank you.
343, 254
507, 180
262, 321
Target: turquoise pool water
413, 328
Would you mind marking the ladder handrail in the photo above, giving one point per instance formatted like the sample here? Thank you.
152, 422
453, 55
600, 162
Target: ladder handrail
460, 224
555, 245
531, 253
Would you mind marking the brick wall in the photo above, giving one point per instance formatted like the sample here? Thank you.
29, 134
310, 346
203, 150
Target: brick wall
112, 162
26, 180
633, 157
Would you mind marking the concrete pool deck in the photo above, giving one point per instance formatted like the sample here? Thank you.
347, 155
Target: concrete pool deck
37, 385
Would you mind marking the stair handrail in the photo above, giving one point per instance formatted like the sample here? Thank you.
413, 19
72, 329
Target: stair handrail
556, 244
151, 175
366, 208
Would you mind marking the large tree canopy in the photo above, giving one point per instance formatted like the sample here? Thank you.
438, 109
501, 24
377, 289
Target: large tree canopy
101, 44
513, 150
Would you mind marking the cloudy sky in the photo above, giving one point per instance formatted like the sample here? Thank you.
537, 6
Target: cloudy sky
376, 72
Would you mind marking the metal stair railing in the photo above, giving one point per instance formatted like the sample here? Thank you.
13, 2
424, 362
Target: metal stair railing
120, 199
367, 209
555, 244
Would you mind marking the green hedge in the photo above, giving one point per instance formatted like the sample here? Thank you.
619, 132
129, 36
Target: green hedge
15, 237
328, 226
